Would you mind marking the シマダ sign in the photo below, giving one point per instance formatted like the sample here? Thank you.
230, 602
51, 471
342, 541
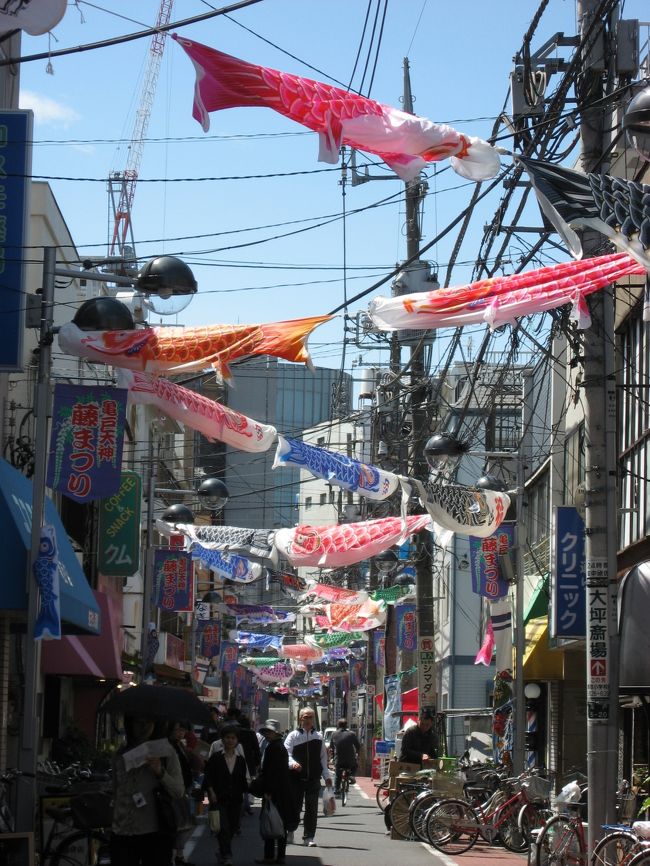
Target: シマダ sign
15, 176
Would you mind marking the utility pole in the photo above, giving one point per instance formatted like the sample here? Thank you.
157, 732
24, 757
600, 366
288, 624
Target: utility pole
419, 434
600, 448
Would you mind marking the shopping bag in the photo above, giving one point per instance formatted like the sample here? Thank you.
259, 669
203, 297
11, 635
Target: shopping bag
329, 802
271, 823
214, 820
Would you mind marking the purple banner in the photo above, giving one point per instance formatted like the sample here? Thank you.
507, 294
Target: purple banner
172, 575
379, 646
229, 656
407, 629
357, 673
484, 554
209, 637
85, 457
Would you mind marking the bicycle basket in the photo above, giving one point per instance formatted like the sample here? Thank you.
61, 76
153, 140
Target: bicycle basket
537, 788
92, 810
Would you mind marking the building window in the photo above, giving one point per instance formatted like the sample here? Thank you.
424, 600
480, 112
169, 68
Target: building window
307, 503
321, 441
323, 499
574, 462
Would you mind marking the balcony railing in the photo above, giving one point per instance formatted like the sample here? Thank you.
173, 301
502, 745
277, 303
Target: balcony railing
537, 557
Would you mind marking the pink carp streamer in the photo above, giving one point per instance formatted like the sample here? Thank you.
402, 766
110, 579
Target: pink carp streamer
404, 141
500, 300
335, 546
200, 413
160, 350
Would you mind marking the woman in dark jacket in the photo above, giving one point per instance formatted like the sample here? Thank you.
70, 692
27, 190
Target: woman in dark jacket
226, 781
274, 783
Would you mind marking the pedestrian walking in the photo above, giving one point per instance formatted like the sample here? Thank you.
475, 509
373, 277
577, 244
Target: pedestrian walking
226, 781
138, 837
274, 784
178, 730
307, 763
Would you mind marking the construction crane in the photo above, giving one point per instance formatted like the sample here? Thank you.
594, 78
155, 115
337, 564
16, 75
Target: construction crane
122, 184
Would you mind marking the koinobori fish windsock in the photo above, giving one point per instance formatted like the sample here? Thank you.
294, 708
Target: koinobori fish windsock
462, 509
499, 300
200, 413
160, 350
339, 469
345, 544
404, 141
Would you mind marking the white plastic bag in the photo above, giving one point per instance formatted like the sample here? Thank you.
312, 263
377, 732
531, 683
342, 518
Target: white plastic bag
571, 793
271, 823
329, 802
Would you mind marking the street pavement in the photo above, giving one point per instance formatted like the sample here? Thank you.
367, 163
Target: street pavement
354, 836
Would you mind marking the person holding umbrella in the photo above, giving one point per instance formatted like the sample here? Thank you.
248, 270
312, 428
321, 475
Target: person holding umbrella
274, 783
137, 838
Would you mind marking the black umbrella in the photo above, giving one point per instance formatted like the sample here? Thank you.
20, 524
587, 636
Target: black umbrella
165, 702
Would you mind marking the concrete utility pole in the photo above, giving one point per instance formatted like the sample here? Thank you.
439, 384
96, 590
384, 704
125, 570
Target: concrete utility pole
419, 434
600, 447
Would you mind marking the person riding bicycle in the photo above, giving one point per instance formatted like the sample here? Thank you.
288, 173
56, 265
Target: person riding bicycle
345, 748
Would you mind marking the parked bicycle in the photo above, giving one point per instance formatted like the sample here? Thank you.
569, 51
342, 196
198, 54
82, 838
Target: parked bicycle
562, 841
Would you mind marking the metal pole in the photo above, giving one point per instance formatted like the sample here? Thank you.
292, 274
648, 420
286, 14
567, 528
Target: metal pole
417, 462
518, 752
30, 729
147, 583
601, 516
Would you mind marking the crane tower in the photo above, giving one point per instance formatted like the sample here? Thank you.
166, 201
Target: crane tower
122, 184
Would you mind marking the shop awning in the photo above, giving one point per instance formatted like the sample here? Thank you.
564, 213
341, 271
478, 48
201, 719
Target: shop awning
86, 655
79, 609
538, 603
541, 663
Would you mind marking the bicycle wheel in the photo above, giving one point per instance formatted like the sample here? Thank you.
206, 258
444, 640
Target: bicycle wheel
398, 812
345, 786
560, 844
418, 811
85, 848
511, 834
641, 858
615, 849
452, 826
383, 796
532, 817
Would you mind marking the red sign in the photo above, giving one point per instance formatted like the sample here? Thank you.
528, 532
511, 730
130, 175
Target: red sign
598, 668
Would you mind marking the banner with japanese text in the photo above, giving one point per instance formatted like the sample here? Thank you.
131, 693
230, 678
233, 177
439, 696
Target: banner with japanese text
407, 631
229, 656
209, 637
85, 456
173, 581
484, 553
379, 646
568, 574
357, 673
392, 706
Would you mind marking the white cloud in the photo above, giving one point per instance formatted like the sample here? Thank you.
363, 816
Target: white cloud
48, 111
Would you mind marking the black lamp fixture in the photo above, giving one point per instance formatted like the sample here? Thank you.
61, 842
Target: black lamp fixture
443, 451
636, 123
178, 513
491, 482
386, 562
213, 493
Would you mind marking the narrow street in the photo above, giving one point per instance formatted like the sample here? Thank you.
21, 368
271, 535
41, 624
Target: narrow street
354, 836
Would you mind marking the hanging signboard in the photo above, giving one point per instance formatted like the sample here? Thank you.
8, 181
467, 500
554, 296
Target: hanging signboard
15, 181
568, 574
119, 528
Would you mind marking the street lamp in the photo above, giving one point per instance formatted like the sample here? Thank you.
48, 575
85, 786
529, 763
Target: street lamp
386, 563
444, 451
105, 314
213, 493
636, 123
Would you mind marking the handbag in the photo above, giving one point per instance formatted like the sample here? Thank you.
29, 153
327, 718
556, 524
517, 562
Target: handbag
173, 812
271, 823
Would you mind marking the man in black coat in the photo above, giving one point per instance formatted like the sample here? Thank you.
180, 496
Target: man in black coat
419, 741
274, 784
345, 749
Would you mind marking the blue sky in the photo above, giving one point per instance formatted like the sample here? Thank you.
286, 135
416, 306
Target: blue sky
460, 57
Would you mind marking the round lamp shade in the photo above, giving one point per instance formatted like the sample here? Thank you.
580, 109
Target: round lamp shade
213, 493
636, 123
178, 513
104, 314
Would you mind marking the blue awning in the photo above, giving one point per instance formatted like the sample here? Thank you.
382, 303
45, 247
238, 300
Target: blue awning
79, 608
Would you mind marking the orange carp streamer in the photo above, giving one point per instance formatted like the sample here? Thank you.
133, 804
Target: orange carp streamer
159, 350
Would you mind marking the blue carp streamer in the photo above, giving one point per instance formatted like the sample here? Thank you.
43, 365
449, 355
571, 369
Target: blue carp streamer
46, 572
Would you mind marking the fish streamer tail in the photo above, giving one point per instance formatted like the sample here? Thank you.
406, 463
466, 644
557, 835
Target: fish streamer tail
288, 339
223, 81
